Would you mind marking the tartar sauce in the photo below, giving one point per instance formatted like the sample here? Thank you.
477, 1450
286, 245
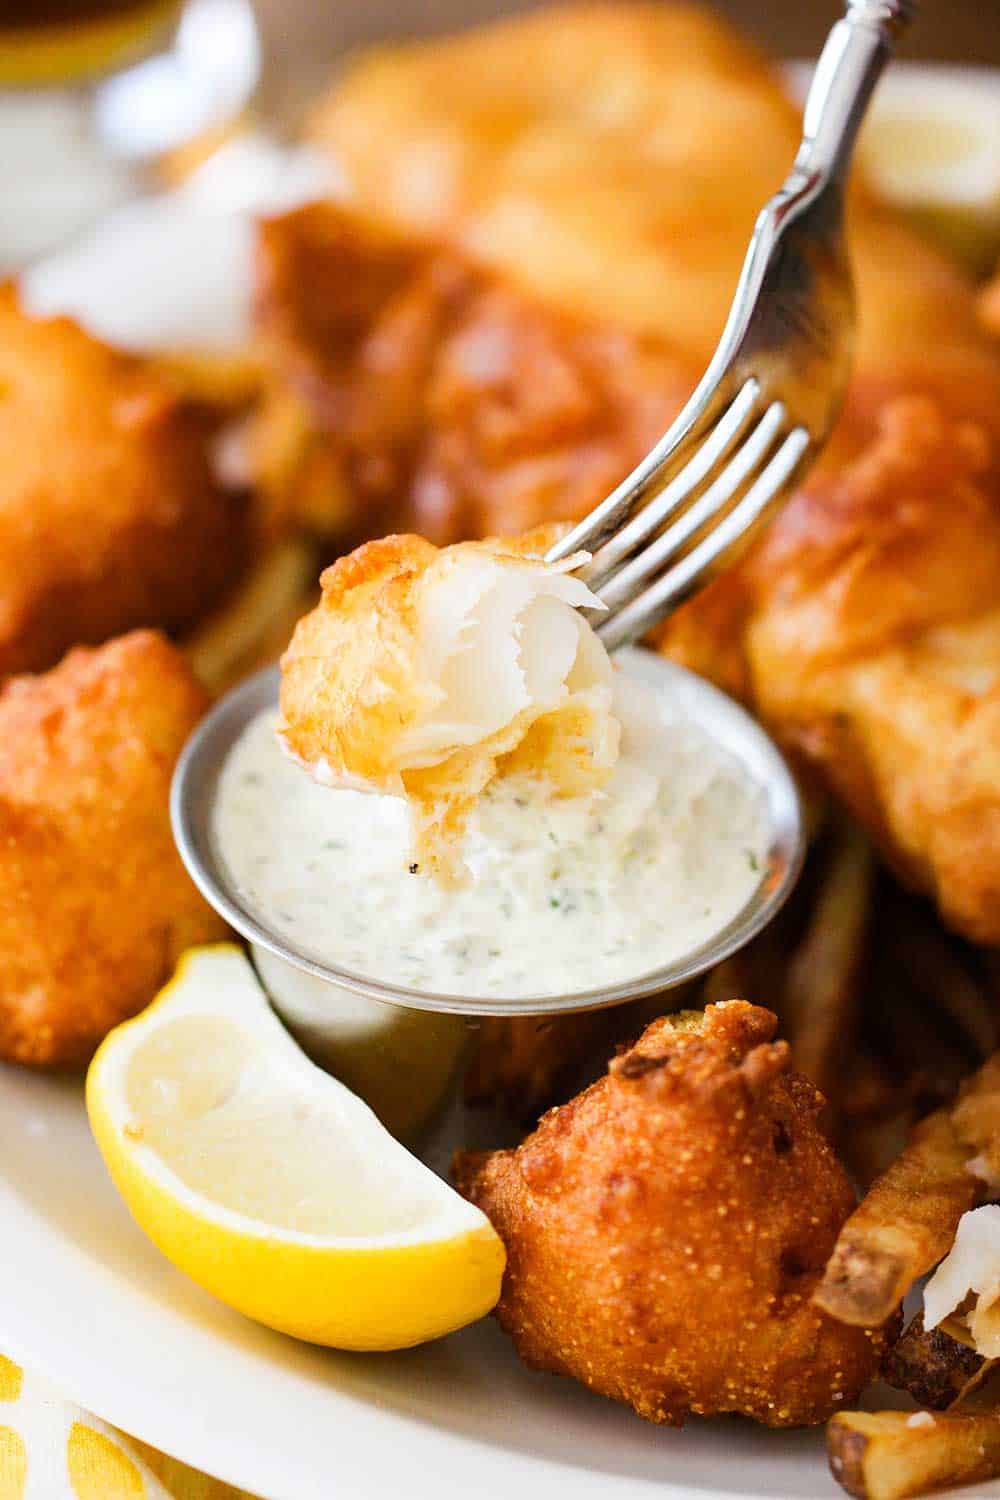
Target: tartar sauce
563, 895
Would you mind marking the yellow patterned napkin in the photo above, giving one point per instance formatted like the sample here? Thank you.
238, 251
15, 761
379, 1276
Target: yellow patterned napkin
53, 1450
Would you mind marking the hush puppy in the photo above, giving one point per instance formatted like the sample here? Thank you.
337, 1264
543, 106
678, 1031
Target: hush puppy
111, 516
666, 1228
95, 905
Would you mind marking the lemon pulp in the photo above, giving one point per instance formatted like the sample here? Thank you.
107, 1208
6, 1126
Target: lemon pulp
270, 1183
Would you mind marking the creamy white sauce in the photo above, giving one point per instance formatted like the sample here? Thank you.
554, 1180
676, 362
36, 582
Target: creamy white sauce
565, 894
174, 273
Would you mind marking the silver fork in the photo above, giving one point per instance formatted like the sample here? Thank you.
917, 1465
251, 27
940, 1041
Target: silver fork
767, 401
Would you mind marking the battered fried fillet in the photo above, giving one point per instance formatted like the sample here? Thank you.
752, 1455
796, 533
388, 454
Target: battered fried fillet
426, 673
566, 199
866, 631
989, 305
110, 516
414, 387
95, 906
665, 1229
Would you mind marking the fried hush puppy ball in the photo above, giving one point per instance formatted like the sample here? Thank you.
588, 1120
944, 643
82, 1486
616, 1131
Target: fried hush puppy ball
665, 1230
110, 514
95, 905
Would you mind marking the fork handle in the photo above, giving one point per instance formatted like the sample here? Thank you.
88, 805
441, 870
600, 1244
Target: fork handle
849, 67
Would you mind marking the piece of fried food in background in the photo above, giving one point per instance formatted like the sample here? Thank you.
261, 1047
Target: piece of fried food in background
665, 1230
95, 905
820, 1011
110, 513
547, 217
607, 159
522, 1065
906, 1222
989, 305
414, 388
931, 1366
255, 623
604, 165
872, 639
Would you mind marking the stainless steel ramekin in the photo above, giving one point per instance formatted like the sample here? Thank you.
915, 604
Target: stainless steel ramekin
370, 1032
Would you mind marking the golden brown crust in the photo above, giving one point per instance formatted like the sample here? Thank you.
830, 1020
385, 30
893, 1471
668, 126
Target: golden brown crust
866, 632
414, 388
554, 147
665, 1230
906, 1222
110, 516
95, 906
417, 673
989, 305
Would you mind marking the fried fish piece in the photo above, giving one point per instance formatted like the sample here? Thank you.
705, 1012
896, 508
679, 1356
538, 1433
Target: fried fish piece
665, 1230
866, 632
95, 905
607, 159
565, 199
110, 513
427, 672
414, 387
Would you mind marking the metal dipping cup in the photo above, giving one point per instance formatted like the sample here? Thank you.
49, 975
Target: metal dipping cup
399, 1048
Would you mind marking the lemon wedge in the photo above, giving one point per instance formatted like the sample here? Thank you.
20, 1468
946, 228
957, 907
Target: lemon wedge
932, 146
271, 1184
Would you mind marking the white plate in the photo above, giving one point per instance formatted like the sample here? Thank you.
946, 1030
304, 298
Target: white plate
86, 1300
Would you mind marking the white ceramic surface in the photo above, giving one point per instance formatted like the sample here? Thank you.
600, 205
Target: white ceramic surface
88, 1301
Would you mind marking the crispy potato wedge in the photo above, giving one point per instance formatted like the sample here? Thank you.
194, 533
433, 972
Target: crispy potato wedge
887, 1455
823, 987
907, 1220
256, 622
902, 1227
977, 1120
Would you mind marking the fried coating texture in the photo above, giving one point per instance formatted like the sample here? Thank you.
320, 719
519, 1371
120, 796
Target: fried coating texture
429, 672
110, 516
865, 630
95, 905
566, 201
606, 159
414, 387
665, 1229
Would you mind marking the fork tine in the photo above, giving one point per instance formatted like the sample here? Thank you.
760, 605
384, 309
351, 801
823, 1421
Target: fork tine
685, 576
610, 525
626, 584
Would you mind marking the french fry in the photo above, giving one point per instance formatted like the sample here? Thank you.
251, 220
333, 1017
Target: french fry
732, 979
906, 1028
907, 1220
977, 1119
261, 614
931, 1365
904, 1225
822, 992
889, 1455
869, 1146
937, 972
